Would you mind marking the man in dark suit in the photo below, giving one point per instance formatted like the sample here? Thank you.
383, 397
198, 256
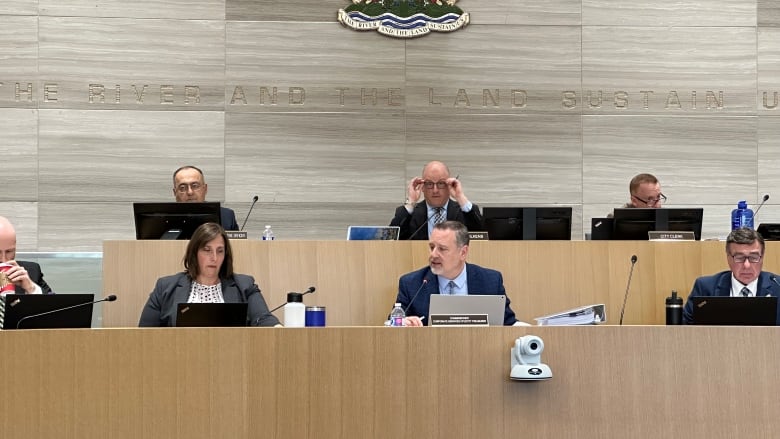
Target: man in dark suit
26, 276
448, 273
190, 186
745, 257
444, 201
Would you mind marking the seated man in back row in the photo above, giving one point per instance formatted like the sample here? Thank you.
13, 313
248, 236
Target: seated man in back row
448, 273
26, 276
189, 186
745, 257
416, 217
644, 192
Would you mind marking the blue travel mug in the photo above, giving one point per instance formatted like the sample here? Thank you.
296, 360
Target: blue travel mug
315, 316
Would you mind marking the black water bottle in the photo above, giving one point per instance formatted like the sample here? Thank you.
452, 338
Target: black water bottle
674, 306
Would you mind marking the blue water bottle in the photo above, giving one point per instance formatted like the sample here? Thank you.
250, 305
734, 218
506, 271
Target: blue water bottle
741, 216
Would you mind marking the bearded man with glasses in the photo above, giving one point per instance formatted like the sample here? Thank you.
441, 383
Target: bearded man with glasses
433, 198
745, 278
189, 186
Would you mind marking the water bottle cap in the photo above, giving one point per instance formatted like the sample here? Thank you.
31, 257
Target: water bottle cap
397, 304
294, 297
267, 226
742, 205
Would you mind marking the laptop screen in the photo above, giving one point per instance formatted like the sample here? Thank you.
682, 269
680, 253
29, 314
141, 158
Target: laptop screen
39, 311
725, 310
491, 304
367, 233
211, 314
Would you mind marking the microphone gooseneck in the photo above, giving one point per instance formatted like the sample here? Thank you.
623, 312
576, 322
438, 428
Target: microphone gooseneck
427, 220
764, 200
628, 287
308, 291
109, 298
424, 281
254, 200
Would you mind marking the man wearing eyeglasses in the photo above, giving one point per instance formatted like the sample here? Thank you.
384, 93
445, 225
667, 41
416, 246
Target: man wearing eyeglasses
189, 186
745, 257
645, 192
434, 198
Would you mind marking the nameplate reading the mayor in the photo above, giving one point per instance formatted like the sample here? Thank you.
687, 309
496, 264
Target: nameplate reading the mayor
459, 319
671, 236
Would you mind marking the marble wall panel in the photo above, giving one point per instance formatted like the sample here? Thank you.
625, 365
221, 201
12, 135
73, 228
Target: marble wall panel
174, 9
711, 161
672, 63
297, 11
113, 156
82, 226
449, 72
768, 61
528, 12
106, 62
502, 159
689, 13
768, 12
308, 158
314, 67
19, 151
769, 167
18, 61
24, 217
12, 7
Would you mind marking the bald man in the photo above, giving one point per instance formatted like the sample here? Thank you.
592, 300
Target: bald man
433, 198
25, 275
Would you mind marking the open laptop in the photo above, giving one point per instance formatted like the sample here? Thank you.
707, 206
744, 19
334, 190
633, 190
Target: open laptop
26, 311
491, 304
726, 310
211, 314
368, 233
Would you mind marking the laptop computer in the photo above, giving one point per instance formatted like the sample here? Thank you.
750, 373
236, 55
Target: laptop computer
211, 314
29, 311
491, 304
368, 233
726, 310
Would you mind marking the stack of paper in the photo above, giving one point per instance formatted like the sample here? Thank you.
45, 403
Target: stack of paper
585, 315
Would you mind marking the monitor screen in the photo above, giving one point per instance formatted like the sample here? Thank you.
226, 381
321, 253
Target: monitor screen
528, 223
633, 224
172, 220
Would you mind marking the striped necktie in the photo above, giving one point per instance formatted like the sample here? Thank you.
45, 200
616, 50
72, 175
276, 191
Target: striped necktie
745, 292
451, 288
438, 216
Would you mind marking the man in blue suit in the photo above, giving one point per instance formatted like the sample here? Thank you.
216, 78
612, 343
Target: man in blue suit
189, 186
448, 273
745, 256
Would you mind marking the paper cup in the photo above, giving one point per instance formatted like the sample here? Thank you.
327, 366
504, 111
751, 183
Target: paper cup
6, 286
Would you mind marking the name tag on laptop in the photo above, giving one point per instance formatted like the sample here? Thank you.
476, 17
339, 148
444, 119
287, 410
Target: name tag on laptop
459, 320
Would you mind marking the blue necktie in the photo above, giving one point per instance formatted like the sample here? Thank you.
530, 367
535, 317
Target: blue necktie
451, 288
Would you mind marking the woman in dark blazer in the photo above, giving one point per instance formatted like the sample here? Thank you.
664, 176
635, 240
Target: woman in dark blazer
208, 277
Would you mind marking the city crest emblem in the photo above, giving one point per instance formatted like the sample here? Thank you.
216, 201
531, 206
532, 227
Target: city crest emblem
404, 18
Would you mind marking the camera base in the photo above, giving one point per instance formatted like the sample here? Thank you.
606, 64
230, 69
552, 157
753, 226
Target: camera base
534, 372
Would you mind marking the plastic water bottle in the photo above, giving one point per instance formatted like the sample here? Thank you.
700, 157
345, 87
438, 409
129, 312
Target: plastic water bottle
294, 311
268, 234
741, 216
397, 315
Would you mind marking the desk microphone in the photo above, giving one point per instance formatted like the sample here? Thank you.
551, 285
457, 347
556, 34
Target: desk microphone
254, 200
110, 298
309, 291
423, 225
424, 281
766, 198
628, 286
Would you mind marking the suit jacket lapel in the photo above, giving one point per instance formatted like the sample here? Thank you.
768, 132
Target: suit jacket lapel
723, 288
230, 291
182, 292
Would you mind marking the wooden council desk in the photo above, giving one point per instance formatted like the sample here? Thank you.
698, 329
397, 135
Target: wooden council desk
360, 382
357, 281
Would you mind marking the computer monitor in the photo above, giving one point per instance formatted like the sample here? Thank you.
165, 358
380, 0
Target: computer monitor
527, 223
633, 224
172, 220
